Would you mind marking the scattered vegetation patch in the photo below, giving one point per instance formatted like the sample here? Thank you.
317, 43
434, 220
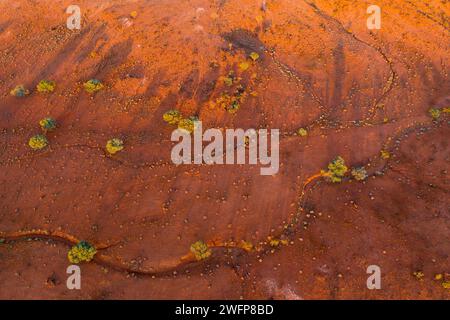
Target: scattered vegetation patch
359, 174
246, 245
435, 113
93, 86
187, 124
230, 79
419, 275
277, 242
244, 65
114, 145
254, 56
19, 91
302, 132
82, 252
38, 142
200, 250
46, 86
385, 154
172, 117
336, 170
48, 124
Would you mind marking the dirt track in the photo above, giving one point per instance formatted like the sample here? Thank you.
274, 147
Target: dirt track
357, 92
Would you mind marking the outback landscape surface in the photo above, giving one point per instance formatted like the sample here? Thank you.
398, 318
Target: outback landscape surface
378, 99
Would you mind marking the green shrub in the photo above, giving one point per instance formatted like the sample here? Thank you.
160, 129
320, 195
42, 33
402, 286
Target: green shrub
19, 91
435, 113
188, 124
200, 250
46, 86
82, 252
114, 145
302, 132
336, 170
93, 86
38, 142
47, 124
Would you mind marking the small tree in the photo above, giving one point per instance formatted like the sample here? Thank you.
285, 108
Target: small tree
172, 117
19, 91
336, 170
200, 250
82, 252
38, 142
114, 145
46, 86
93, 86
48, 124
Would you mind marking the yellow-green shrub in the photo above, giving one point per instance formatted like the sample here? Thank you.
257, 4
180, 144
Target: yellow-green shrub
302, 132
114, 145
200, 250
359, 174
47, 124
172, 116
82, 252
93, 86
38, 142
46, 86
336, 170
19, 91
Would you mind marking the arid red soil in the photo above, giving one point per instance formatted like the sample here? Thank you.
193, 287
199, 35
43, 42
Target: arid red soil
357, 92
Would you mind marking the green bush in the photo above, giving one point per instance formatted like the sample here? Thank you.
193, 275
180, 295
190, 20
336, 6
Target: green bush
200, 250
19, 91
38, 142
336, 170
93, 86
47, 124
114, 145
82, 252
46, 86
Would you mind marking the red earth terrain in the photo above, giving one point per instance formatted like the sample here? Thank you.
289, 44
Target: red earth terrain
293, 235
